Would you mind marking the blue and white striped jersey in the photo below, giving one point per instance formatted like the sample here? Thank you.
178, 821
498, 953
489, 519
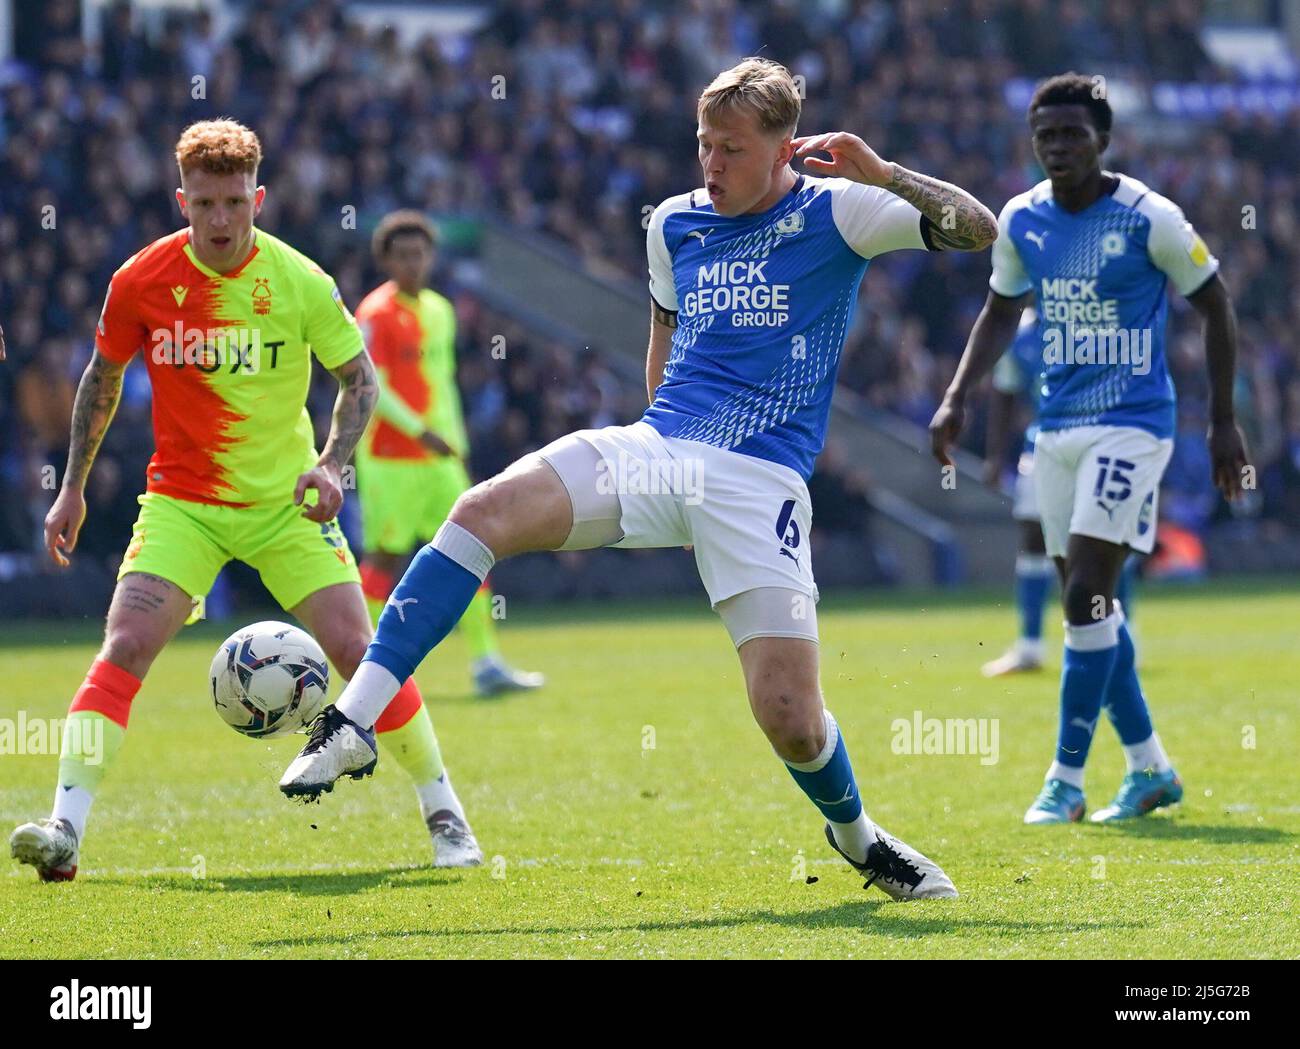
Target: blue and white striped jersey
763, 305
1099, 280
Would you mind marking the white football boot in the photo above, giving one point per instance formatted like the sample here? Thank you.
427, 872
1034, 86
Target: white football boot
48, 845
454, 844
494, 676
1024, 655
338, 747
899, 870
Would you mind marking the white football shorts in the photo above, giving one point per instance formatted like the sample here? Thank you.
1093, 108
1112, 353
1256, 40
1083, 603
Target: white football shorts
1099, 481
1024, 495
747, 519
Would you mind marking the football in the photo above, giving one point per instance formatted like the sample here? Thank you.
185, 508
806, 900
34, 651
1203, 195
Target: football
269, 679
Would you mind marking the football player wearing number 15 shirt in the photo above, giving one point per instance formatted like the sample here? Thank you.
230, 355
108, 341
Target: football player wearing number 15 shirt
1097, 250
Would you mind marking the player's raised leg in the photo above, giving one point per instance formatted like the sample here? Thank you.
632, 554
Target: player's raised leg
781, 679
337, 617
524, 508
145, 614
491, 673
389, 509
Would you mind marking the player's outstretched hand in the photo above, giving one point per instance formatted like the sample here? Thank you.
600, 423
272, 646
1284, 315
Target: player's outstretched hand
1228, 458
945, 428
328, 482
63, 525
851, 158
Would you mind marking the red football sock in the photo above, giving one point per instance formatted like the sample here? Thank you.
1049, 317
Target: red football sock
376, 583
108, 690
404, 706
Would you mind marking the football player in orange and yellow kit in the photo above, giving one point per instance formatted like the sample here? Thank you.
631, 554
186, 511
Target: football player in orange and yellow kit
227, 318
411, 462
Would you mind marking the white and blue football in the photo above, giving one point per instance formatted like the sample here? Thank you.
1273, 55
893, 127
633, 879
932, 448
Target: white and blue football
269, 679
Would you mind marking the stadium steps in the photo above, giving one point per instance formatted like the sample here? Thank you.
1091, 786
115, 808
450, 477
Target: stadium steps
962, 533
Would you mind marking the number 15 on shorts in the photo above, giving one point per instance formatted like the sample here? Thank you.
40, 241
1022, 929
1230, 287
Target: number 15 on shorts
1114, 472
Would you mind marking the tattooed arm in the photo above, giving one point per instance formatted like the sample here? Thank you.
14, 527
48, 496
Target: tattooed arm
358, 391
956, 219
97, 395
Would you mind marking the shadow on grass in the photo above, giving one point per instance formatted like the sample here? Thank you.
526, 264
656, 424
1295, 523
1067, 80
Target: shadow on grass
868, 916
307, 883
1213, 834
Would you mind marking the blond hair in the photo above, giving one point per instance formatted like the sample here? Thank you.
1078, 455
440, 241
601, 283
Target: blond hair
219, 147
759, 85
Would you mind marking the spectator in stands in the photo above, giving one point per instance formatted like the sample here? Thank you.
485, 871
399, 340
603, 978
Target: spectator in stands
594, 126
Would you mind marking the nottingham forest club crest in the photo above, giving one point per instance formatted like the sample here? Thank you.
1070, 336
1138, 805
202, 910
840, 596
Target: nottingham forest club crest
789, 225
262, 295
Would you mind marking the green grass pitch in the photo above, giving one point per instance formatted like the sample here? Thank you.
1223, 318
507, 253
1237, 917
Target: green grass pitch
633, 809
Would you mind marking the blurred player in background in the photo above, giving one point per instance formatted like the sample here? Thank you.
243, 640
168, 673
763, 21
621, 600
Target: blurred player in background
228, 318
753, 282
1018, 377
411, 462
1097, 250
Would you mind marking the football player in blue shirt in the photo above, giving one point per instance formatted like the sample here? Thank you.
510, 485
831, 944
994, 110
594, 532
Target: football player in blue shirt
753, 282
1097, 250
1018, 375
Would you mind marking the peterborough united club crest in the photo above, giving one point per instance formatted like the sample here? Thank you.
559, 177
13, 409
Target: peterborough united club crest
789, 225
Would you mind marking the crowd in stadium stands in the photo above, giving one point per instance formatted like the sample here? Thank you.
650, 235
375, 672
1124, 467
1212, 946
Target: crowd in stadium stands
597, 122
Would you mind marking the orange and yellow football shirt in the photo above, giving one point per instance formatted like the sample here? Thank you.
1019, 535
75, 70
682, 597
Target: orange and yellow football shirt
412, 341
229, 359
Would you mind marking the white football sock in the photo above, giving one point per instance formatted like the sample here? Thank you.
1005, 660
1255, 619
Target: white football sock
1148, 754
855, 838
73, 805
1071, 775
368, 693
437, 795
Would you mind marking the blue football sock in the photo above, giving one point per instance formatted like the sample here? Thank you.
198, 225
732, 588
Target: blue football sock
1090, 654
1033, 576
429, 600
1125, 704
828, 778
